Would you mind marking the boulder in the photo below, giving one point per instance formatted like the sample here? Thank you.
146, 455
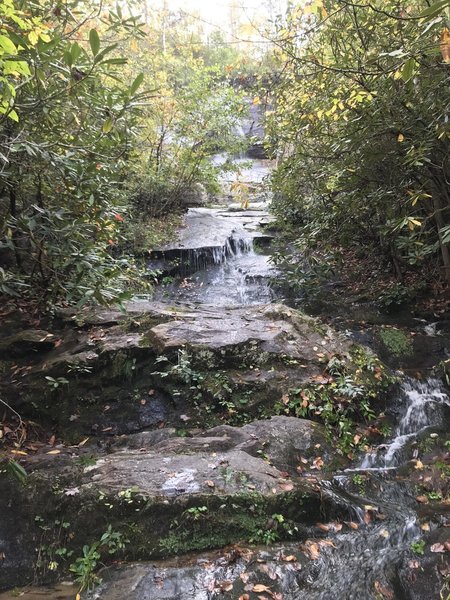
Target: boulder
166, 494
26, 343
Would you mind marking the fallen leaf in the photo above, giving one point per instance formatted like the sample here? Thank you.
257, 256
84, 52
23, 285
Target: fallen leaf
317, 463
425, 527
437, 548
54, 452
419, 465
244, 577
287, 487
313, 550
244, 597
82, 443
326, 543
289, 558
422, 499
72, 491
384, 591
225, 586
210, 483
352, 525
259, 587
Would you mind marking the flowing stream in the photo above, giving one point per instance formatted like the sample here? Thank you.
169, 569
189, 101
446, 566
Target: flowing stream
224, 260
375, 496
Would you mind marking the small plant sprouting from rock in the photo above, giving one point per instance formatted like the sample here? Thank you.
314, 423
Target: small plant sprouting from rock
55, 382
418, 547
341, 396
396, 341
84, 566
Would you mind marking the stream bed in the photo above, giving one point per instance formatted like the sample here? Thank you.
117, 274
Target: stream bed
385, 536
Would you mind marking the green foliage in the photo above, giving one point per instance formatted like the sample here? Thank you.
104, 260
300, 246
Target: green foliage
64, 156
84, 566
418, 547
362, 132
13, 468
342, 397
396, 341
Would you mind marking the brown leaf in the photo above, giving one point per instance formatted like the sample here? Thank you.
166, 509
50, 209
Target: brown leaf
244, 597
289, 558
210, 483
259, 587
326, 543
422, 499
224, 586
269, 572
312, 549
244, 577
54, 452
82, 443
317, 463
323, 527
437, 548
287, 486
384, 591
51, 441
445, 44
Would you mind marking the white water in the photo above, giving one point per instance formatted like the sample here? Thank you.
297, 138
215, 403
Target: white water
423, 404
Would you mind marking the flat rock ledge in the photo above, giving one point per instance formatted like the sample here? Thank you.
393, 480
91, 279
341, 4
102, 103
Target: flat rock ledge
92, 374
165, 494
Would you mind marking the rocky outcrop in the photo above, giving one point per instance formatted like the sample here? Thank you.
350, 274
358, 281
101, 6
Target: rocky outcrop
169, 495
116, 372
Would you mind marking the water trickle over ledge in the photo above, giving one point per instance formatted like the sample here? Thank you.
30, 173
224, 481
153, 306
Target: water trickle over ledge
220, 258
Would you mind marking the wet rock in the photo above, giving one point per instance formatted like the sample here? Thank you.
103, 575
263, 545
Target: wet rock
167, 494
228, 576
26, 343
194, 196
274, 329
426, 576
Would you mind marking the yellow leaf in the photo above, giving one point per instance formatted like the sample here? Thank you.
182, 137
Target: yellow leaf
78, 597
401, 138
54, 452
260, 588
445, 44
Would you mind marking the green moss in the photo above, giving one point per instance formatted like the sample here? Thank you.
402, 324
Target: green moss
396, 341
123, 365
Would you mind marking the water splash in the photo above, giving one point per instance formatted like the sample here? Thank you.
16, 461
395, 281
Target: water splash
423, 404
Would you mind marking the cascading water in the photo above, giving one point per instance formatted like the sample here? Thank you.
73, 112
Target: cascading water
235, 274
423, 404
385, 511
